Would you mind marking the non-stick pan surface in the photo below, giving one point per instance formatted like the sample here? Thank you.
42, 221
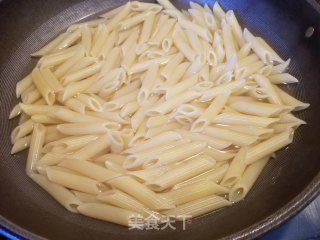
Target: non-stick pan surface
286, 185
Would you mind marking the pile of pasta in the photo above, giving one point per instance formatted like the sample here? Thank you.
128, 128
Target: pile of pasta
153, 111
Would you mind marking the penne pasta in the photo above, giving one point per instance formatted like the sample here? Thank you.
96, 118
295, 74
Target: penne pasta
236, 138
151, 111
245, 183
199, 207
198, 189
140, 192
175, 154
74, 181
269, 146
182, 172
36, 143
59, 193
107, 213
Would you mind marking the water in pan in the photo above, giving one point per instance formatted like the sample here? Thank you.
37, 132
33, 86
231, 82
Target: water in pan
273, 189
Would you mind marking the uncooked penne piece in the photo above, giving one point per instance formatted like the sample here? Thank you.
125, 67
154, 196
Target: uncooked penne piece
82, 74
22, 130
202, 32
181, 172
108, 49
282, 78
55, 59
211, 112
148, 82
140, 192
157, 130
124, 201
30, 96
139, 116
143, 66
182, 45
101, 145
77, 87
289, 100
45, 119
215, 175
85, 197
251, 130
218, 11
246, 181
236, 29
111, 13
162, 32
269, 146
122, 14
75, 105
21, 144
51, 79
86, 40
52, 134
107, 213
110, 157
102, 34
177, 74
71, 116
35, 150
267, 56
243, 120
52, 158
161, 139
172, 65
63, 68
280, 68
236, 138
199, 207
213, 92
218, 155
117, 142
175, 154
49, 47
129, 109
258, 108
23, 84
68, 144
89, 169
236, 169
133, 21
142, 6
15, 112
169, 105
173, 91
74, 181
198, 189
265, 83
211, 141
70, 39
90, 102
119, 102
59, 193
45, 90
228, 41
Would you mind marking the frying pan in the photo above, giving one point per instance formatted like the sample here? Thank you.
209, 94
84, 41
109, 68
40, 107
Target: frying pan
287, 184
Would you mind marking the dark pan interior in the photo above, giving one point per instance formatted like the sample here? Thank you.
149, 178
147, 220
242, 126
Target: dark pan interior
286, 185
